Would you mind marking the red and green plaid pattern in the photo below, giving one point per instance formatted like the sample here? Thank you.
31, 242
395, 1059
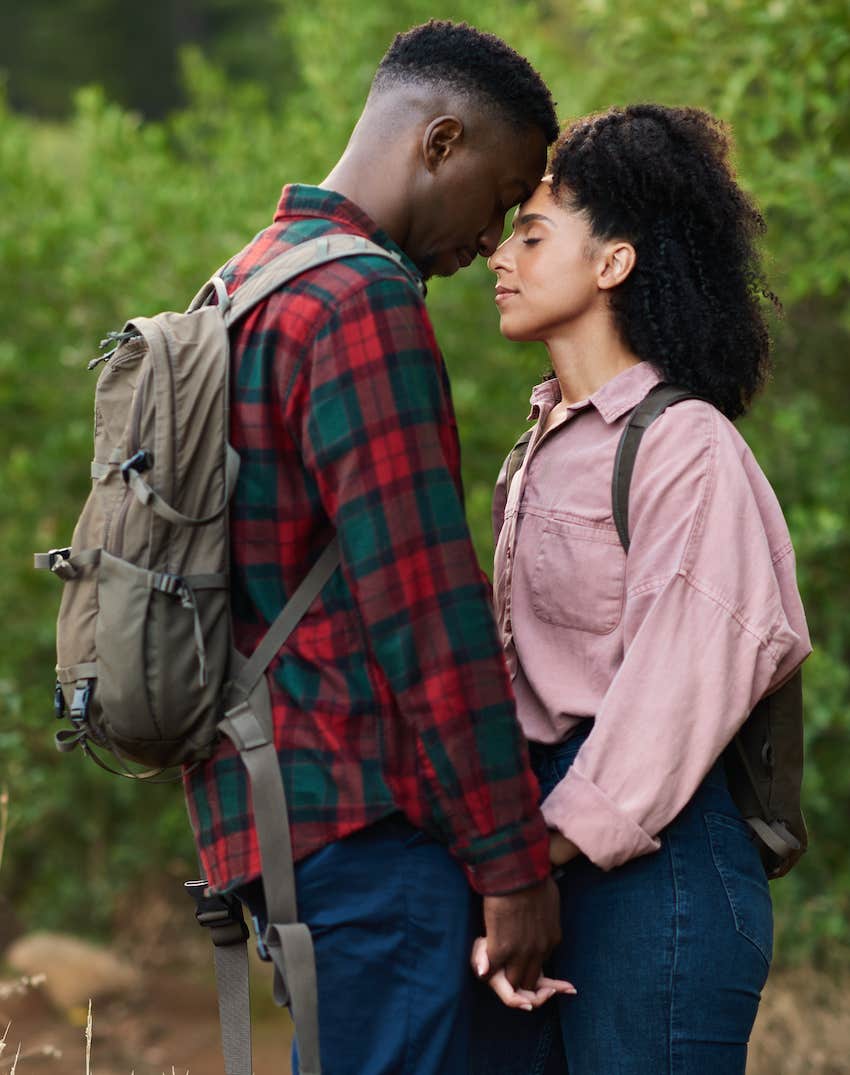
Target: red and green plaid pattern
392, 693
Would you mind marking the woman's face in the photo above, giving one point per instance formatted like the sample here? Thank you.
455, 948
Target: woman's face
548, 269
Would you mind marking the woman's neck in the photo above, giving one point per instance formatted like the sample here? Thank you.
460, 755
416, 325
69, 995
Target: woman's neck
587, 356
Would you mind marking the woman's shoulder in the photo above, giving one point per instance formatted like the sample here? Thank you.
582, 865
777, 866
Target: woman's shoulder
695, 429
695, 453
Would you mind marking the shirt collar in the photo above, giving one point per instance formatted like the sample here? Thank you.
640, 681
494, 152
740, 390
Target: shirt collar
300, 200
614, 399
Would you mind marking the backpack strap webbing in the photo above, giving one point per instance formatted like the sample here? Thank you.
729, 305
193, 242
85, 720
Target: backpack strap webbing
248, 724
287, 619
517, 456
294, 261
773, 833
657, 400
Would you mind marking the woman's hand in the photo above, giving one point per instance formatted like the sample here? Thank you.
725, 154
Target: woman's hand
561, 850
525, 999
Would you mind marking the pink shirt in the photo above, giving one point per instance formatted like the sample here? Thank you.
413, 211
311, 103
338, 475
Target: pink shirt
670, 647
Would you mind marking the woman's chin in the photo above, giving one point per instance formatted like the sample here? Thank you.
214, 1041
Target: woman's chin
513, 332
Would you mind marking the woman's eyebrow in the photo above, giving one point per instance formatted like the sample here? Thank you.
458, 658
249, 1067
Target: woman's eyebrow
523, 219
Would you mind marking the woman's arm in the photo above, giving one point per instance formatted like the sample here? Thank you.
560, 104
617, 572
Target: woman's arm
712, 621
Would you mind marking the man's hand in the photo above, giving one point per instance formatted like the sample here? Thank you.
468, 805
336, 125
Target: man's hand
522, 928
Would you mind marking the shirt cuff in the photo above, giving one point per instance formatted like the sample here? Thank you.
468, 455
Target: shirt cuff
516, 858
596, 825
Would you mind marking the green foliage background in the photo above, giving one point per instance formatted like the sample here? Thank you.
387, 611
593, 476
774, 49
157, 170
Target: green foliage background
106, 215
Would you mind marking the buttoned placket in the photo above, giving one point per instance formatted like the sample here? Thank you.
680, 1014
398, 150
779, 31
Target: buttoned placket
514, 499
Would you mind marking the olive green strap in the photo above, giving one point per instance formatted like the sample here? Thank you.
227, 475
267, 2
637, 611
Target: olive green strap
651, 407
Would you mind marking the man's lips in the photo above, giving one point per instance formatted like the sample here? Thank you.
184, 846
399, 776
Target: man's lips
464, 257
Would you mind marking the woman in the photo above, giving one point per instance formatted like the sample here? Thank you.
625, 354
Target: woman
635, 262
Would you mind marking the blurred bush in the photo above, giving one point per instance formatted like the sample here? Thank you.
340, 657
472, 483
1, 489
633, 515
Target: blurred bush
106, 216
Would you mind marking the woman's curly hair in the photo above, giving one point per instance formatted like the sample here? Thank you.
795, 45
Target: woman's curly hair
661, 178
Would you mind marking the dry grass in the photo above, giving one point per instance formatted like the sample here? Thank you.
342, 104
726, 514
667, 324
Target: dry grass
4, 819
23, 985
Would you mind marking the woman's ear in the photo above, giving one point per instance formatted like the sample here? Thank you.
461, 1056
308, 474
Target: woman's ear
619, 259
440, 138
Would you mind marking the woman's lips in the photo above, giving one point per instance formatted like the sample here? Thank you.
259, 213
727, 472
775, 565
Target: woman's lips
503, 293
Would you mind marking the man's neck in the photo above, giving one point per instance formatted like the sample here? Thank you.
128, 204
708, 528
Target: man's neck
368, 179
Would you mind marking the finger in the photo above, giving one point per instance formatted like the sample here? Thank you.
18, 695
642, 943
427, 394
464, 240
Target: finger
559, 985
538, 997
507, 994
478, 958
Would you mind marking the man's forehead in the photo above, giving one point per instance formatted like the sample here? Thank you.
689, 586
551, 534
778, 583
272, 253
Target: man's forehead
522, 169
543, 188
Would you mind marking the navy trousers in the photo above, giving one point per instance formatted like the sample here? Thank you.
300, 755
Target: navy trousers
668, 953
393, 920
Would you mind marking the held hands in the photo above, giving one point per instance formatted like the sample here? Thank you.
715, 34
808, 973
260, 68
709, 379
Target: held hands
526, 999
522, 928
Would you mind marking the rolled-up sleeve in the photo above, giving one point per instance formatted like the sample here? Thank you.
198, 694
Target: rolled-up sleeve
712, 622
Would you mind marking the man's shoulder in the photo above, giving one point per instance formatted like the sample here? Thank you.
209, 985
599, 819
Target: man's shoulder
376, 273
329, 301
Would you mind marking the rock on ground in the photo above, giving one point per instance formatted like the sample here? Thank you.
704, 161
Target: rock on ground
74, 970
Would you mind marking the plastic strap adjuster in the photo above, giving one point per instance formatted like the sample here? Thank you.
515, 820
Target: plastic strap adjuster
221, 914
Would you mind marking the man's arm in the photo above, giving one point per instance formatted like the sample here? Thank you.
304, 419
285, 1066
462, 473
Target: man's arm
379, 436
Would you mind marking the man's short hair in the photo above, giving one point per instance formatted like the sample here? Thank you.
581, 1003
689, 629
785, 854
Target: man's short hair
481, 65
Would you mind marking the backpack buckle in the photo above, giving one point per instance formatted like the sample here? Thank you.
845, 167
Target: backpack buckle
221, 914
142, 460
81, 701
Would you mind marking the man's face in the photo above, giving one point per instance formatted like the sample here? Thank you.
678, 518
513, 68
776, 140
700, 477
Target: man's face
464, 200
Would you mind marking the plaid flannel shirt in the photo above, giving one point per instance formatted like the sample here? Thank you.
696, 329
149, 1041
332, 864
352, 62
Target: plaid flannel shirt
392, 692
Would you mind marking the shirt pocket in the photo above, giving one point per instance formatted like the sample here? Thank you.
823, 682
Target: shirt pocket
579, 577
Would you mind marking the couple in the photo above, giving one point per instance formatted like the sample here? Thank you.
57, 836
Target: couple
425, 814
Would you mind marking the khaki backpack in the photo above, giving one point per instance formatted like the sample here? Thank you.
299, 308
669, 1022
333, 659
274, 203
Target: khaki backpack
146, 668
764, 761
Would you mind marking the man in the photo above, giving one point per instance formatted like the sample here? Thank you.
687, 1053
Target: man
406, 774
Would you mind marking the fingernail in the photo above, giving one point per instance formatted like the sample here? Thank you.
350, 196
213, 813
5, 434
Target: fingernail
480, 968
527, 1007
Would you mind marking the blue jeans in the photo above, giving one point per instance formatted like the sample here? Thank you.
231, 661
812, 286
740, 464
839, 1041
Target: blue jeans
393, 920
668, 952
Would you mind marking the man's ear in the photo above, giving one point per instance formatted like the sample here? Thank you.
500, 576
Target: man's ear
441, 137
618, 260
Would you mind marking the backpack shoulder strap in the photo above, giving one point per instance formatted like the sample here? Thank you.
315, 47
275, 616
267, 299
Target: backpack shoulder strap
651, 407
293, 262
516, 456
